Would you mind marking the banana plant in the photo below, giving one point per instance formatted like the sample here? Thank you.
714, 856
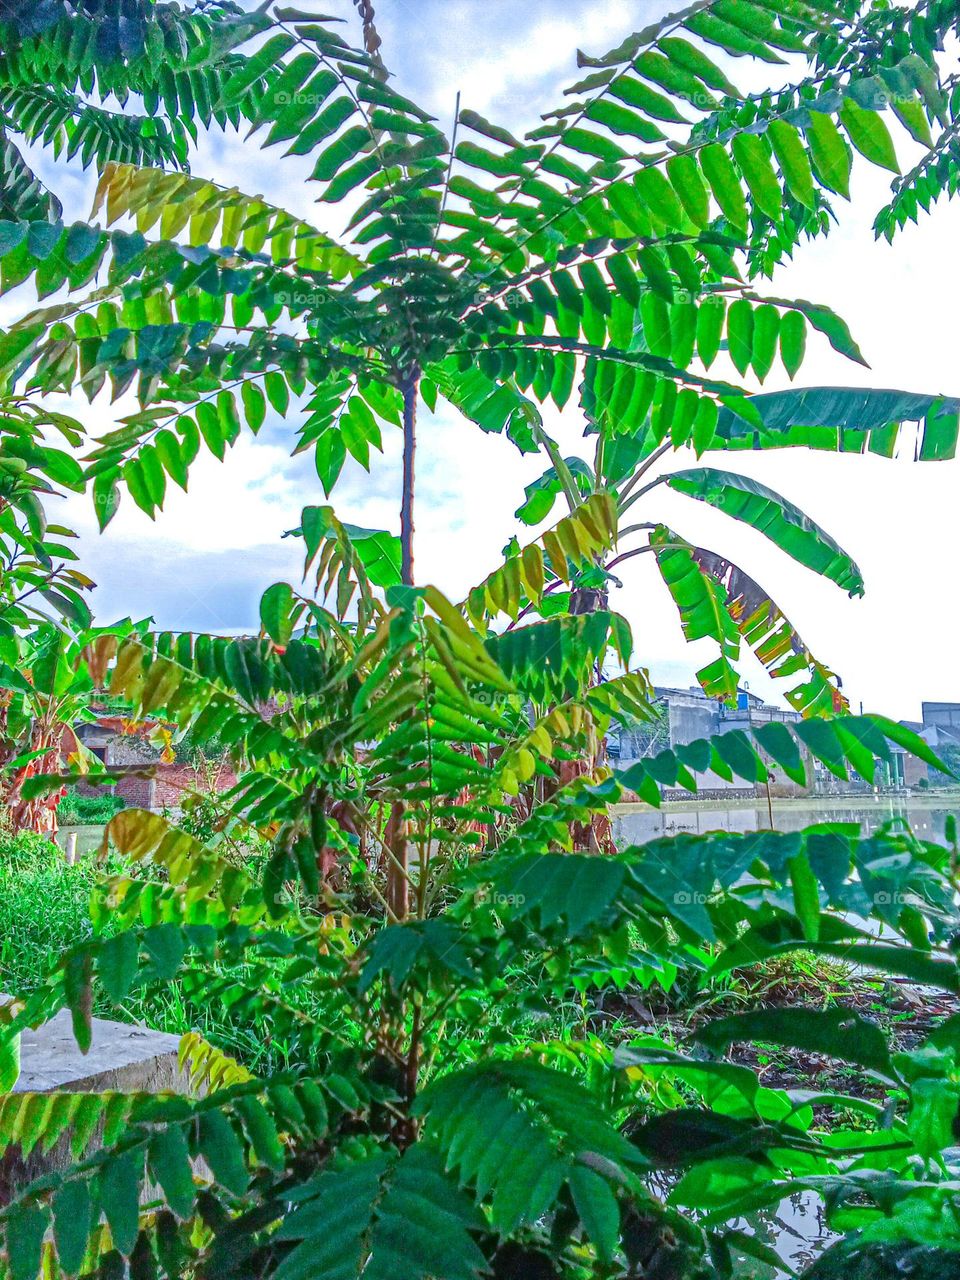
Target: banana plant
45, 694
716, 598
39, 579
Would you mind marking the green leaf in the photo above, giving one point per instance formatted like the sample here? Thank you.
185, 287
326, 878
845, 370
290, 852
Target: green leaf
659, 197
254, 407
379, 552
277, 612
829, 152
740, 320
211, 428
752, 155
383, 1218
838, 1033
169, 1160
278, 393
766, 328
655, 318
806, 896
223, 1152
25, 1228
347, 146
794, 162
774, 516
684, 175
793, 341
710, 317
725, 184
868, 133
168, 449
120, 1196
71, 1222
597, 1208
106, 497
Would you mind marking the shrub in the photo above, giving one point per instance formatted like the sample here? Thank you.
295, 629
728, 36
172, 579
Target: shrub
78, 809
26, 850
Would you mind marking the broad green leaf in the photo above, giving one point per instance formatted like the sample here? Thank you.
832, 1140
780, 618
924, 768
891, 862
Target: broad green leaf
277, 612
829, 152
838, 1033
794, 163
868, 133
778, 519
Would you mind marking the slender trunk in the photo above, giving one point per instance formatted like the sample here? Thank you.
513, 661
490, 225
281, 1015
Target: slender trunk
397, 867
410, 391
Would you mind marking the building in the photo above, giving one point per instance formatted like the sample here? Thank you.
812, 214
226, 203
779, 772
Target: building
688, 715
150, 782
944, 717
940, 730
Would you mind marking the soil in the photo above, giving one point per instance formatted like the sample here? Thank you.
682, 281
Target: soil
906, 1012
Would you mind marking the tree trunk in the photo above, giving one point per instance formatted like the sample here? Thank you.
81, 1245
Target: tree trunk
410, 389
396, 849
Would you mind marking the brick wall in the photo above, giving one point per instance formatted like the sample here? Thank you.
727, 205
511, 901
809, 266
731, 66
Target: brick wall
137, 792
173, 780
165, 790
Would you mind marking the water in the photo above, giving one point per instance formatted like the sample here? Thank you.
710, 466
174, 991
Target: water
796, 1230
635, 824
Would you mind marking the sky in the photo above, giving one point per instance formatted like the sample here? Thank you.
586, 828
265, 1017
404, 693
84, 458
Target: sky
207, 558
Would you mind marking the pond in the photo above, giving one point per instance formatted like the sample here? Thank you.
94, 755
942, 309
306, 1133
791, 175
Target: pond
635, 824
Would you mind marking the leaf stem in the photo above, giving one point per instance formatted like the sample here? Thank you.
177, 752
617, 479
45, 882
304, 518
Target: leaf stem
410, 389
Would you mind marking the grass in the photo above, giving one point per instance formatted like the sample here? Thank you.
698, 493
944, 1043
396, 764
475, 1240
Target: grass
44, 908
43, 904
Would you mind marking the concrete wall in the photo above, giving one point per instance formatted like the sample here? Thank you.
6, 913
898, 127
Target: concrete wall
125, 1058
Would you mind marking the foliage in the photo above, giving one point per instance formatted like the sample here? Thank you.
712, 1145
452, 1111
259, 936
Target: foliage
374, 963
78, 808
427, 774
475, 270
25, 850
44, 901
36, 560
45, 693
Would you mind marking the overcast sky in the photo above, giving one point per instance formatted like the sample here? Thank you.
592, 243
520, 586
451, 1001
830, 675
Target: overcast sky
204, 562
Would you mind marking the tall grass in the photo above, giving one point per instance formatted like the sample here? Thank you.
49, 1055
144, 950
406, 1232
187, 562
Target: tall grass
44, 909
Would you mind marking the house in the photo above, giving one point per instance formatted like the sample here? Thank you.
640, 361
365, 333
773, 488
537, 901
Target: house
151, 782
687, 715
